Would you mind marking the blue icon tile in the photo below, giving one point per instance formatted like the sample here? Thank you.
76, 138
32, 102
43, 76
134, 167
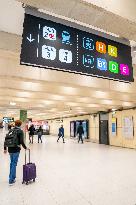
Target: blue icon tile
88, 61
65, 37
101, 64
88, 43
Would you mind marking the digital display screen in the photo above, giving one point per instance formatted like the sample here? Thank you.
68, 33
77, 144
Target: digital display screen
85, 127
59, 47
8, 119
72, 129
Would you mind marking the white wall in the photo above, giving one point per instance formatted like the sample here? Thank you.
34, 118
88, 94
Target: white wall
124, 8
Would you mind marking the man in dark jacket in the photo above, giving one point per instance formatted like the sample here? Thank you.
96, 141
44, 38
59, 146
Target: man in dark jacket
61, 133
80, 132
31, 133
40, 133
15, 151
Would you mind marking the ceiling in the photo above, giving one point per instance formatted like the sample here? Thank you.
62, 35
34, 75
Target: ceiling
49, 94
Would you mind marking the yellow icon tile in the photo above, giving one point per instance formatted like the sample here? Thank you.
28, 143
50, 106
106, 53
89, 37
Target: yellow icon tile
112, 51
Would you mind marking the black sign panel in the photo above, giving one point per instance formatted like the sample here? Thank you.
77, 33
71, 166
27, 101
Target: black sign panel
56, 46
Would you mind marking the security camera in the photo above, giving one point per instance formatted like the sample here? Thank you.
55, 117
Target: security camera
94, 115
23, 5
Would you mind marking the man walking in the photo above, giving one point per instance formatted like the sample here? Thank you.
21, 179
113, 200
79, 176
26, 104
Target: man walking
13, 140
80, 132
40, 133
61, 133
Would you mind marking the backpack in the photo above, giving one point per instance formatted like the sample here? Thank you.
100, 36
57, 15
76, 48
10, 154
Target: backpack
11, 139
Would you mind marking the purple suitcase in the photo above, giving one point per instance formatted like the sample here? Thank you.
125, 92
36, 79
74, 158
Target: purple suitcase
29, 171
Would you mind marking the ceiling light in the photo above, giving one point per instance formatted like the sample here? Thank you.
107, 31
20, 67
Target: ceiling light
69, 90
127, 104
48, 102
113, 109
41, 114
57, 97
100, 94
72, 104
113, 112
82, 112
107, 102
12, 103
24, 94
93, 105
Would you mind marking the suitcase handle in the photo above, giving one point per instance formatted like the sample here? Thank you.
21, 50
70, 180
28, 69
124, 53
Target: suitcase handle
25, 155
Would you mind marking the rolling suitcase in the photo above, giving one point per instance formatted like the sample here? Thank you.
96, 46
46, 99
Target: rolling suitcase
29, 171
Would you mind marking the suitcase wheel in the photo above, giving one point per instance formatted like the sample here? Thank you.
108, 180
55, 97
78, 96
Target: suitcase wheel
33, 180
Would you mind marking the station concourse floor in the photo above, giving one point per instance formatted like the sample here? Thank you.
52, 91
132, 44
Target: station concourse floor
72, 174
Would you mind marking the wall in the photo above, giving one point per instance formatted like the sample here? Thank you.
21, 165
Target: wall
119, 140
93, 126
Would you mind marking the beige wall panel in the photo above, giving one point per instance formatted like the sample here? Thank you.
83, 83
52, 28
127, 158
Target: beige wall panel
116, 140
119, 140
93, 126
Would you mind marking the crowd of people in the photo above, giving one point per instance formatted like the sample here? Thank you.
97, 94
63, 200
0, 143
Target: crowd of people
15, 139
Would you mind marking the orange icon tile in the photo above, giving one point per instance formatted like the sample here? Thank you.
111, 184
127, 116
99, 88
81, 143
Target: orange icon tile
101, 47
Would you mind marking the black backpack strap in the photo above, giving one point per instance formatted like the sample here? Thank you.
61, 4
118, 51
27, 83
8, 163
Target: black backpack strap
17, 131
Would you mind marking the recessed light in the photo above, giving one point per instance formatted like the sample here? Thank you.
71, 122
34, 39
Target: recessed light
127, 104
113, 109
12, 103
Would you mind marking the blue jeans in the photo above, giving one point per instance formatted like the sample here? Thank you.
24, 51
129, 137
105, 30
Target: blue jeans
39, 138
13, 163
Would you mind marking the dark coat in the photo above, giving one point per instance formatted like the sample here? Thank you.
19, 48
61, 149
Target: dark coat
80, 130
31, 130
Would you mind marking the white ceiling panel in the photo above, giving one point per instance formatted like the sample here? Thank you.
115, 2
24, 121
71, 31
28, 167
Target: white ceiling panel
11, 16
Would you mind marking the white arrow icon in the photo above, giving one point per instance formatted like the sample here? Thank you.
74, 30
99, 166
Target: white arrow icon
30, 39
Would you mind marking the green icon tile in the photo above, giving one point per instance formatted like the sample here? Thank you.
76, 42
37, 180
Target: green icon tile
113, 67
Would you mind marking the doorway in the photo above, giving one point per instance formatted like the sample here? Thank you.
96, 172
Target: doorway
103, 129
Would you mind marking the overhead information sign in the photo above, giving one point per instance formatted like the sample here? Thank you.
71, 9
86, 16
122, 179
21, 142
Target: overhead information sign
53, 45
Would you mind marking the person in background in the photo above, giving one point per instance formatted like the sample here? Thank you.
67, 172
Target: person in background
15, 151
40, 133
31, 133
6, 126
61, 133
9, 126
80, 132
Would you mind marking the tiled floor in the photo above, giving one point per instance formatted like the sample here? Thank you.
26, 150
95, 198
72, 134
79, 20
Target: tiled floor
72, 174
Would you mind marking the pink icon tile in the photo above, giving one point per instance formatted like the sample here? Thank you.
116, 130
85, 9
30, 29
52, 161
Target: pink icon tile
124, 69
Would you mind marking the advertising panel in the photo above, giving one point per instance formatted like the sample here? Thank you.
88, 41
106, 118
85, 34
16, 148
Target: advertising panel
128, 127
114, 126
